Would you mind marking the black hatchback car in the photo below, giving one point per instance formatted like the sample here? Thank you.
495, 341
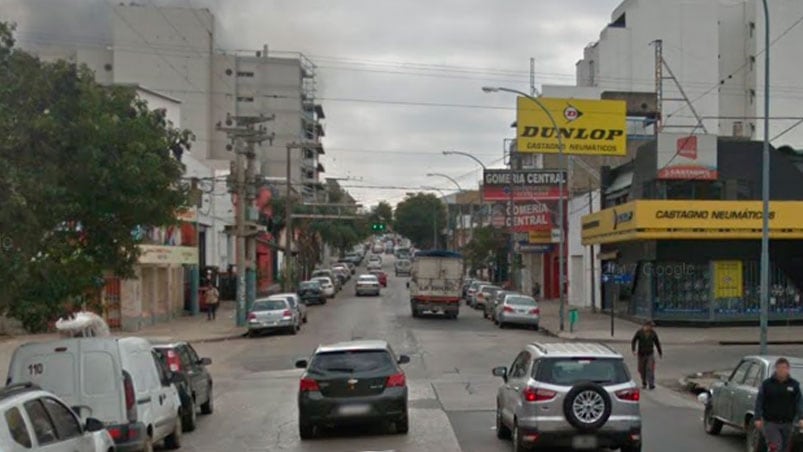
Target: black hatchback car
311, 292
355, 382
196, 388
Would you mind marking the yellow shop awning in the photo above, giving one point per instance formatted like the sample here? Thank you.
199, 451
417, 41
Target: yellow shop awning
691, 219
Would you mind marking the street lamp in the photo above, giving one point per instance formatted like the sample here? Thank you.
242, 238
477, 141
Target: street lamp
452, 180
562, 164
765, 191
482, 186
435, 217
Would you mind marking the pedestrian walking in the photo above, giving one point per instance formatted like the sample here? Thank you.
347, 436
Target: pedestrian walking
212, 301
536, 290
644, 344
777, 406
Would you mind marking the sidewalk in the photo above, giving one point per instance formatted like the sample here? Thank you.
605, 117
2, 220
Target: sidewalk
597, 327
193, 329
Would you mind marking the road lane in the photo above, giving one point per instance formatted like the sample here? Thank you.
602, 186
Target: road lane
452, 391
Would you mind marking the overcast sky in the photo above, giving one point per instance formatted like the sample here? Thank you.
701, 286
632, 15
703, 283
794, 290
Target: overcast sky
380, 62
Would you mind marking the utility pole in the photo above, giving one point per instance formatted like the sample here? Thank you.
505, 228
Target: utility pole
591, 252
244, 135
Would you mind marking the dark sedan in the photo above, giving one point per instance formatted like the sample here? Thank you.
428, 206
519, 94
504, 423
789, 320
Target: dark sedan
311, 292
195, 390
355, 382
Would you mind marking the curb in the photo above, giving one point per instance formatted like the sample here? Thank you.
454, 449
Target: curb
791, 342
551, 333
204, 340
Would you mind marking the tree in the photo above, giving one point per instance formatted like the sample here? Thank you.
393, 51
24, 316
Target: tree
81, 166
382, 213
420, 216
487, 246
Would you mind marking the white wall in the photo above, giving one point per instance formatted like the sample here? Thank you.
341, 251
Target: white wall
579, 256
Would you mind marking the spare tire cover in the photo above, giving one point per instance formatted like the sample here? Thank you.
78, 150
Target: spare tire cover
587, 406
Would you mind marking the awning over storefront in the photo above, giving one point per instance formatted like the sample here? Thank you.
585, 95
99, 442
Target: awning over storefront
691, 219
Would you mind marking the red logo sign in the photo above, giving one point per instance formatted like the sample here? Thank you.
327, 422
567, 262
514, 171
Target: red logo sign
687, 147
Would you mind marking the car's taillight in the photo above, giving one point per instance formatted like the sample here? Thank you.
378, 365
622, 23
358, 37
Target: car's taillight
507, 309
130, 397
629, 395
396, 381
308, 384
535, 311
538, 394
287, 313
116, 433
251, 316
173, 361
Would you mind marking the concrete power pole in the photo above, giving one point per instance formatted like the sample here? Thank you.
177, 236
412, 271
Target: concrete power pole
245, 136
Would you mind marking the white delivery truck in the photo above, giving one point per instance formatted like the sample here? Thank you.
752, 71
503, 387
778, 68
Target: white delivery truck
435, 283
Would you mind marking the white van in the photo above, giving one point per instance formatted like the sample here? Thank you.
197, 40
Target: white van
119, 381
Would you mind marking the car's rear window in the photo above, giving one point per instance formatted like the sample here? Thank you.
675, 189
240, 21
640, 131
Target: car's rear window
269, 305
310, 285
368, 279
520, 301
570, 371
352, 361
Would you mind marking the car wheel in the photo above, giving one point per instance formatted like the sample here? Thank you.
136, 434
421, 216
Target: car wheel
484, 315
188, 420
173, 440
712, 425
502, 432
305, 430
293, 330
209, 406
753, 438
323, 300
518, 444
501, 324
631, 448
305, 319
587, 406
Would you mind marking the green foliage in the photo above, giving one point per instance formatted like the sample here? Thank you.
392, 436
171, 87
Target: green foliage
487, 244
382, 213
418, 217
81, 165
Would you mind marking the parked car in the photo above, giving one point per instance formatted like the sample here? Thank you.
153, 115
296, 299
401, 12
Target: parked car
342, 274
517, 309
731, 402
344, 269
489, 310
577, 395
352, 382
375, 258
132, 393
351, 265
196, 388
381, 276
466, 284
328, 273
35, 419
367, 285
403, 267
327, 285
471, 292
374, 265
295, 303
485, 293
311, 292
273, 313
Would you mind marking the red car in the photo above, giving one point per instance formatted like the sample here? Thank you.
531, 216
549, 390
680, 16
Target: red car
382, 276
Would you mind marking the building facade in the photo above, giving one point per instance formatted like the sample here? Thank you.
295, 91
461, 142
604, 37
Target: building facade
688, 249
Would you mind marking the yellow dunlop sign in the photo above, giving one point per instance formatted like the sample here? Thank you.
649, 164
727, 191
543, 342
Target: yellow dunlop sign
586, 127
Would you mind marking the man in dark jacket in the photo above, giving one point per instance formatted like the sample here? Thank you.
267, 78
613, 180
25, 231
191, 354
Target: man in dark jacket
644, 344
777, 406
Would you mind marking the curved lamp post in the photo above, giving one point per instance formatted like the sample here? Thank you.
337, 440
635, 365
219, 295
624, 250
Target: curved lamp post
562, 164
452, 180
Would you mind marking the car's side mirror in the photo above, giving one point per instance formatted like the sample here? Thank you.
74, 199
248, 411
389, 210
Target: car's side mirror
404, 359
301, 364
93, 425
500, 372
205, 361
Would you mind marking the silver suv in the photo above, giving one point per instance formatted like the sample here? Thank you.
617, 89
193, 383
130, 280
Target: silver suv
568, 395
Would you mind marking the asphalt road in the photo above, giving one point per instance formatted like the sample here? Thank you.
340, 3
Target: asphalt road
452, 391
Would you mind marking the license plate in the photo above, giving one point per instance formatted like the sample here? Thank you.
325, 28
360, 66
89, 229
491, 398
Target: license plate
354, 410
584, 442
522, 311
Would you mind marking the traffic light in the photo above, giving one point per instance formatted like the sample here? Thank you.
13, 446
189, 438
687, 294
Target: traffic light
378, 227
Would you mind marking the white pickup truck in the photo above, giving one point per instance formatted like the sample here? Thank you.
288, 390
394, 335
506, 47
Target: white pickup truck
435, 283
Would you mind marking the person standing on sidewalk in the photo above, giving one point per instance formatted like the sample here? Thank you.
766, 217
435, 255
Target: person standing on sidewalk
212, 301
644, 344
777, 406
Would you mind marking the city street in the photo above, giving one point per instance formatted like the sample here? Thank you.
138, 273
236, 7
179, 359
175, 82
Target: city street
452, 391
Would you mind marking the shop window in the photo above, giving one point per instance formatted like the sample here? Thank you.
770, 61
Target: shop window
681, 288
